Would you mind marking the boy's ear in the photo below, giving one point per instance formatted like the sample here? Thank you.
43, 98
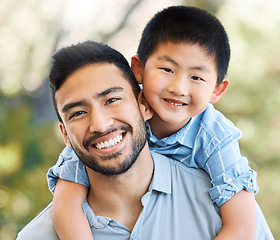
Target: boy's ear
219, 91
137, 68
64, 134
144, 107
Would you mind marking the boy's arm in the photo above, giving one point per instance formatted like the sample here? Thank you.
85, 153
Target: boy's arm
238, 215
68, 217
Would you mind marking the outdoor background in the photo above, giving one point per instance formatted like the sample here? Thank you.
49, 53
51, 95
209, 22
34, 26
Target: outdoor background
31, 30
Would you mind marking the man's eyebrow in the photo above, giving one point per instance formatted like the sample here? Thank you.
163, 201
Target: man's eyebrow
168, 59
70, 105
109, 90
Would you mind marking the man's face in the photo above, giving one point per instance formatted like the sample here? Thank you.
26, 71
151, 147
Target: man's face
101, 118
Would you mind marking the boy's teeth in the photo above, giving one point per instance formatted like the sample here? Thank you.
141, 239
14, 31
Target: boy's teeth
110, 143
176, 104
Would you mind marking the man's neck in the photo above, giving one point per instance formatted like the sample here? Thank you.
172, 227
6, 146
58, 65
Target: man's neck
119, 196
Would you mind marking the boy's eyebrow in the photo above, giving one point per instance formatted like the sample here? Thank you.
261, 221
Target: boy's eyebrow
167, 58
201, 68
70, 105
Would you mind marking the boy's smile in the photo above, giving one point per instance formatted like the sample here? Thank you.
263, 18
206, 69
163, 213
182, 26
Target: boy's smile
175, 103
179, 80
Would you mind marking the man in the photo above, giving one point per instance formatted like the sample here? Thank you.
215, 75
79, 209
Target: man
134, 194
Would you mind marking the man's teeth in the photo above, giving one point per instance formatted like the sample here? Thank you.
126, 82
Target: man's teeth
110, 143
176, 104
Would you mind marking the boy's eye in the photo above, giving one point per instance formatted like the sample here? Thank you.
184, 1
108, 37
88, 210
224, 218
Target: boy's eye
197, 78
76, 114
167, 70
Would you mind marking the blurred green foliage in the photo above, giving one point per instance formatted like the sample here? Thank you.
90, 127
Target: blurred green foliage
29, 137
27, 150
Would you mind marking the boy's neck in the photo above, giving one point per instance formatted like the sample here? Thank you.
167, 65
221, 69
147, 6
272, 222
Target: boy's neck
162, 129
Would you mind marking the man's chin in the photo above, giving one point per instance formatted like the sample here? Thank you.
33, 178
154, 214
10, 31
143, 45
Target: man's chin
110, 170
109, 165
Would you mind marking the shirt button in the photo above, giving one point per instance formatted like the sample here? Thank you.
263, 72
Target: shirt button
229, 180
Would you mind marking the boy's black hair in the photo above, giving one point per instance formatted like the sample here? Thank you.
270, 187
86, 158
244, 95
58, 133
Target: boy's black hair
179, 24
69, 59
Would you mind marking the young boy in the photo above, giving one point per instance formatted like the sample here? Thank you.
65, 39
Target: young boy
182, 61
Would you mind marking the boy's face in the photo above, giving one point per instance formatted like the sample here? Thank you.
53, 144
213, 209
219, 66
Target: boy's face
179, 80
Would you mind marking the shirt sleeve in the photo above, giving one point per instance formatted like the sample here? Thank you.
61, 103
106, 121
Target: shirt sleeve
67, 167
229, 170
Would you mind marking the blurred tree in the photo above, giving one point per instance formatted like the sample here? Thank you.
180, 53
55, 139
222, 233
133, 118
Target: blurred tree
29, 138
27, 147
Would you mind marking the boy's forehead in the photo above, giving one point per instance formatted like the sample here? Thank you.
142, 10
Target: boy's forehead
179, 44
184, 55
170, 48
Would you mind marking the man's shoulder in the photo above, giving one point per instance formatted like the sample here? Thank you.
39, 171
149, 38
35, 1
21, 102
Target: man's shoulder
195, 173
41, 227
181, 168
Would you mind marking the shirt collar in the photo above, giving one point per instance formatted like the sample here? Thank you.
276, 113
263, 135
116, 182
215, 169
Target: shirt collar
161, 181
95, 221
185, 136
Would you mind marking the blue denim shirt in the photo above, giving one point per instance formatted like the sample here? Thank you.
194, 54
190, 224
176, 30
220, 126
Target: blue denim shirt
209, 141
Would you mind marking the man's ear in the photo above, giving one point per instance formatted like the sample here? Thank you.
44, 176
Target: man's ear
219, 91
144, 107
64, 134
137, 68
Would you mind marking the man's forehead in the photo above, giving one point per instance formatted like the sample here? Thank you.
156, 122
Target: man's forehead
93, 80
99, 74
95, 70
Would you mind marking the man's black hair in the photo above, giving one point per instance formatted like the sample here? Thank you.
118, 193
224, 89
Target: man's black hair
69, 59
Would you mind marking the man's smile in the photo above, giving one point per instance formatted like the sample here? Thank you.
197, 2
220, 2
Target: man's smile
109, 143
107, 139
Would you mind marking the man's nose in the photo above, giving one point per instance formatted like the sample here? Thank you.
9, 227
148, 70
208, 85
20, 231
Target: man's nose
178, 85
100, 121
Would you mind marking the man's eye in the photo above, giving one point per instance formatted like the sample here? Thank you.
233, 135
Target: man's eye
76, 114
167, 70
111, 100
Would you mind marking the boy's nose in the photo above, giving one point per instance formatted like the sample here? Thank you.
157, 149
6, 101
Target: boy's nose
100, 121
178, 86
